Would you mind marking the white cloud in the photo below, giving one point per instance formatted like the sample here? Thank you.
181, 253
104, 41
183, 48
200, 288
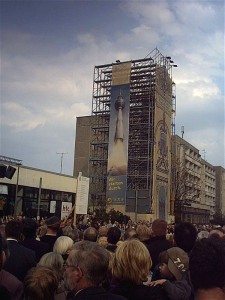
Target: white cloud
46, 84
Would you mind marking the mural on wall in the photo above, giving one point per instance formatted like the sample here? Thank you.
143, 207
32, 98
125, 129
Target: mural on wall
162, 161
162, 201
118, 134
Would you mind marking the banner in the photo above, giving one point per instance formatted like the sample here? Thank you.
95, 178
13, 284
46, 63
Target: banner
118, 134
82, 195
65, 209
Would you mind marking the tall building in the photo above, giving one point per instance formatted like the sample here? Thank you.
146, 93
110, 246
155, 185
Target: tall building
131, 125
220, 190
193, 184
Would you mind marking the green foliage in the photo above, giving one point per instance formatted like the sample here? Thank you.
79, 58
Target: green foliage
113, 215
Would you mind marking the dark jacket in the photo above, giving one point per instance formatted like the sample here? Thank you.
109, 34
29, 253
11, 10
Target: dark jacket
156, 245
40, 248
20, 260
12, 284
177, 290
139, 292
50, 240
94, 293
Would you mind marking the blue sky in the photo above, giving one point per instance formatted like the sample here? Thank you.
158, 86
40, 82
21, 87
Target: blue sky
49, 50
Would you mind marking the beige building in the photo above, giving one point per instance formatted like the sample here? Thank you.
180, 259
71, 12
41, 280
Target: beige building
220, 190
196, 181
147, 136
33, 191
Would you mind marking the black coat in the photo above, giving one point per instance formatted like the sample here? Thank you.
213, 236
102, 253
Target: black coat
156, 245
40, 248
50, 240
140, 292
94, 293
20, 260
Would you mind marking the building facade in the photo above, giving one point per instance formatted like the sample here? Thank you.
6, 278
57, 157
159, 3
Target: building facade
193, 184
35, 192
220, 191
129, 135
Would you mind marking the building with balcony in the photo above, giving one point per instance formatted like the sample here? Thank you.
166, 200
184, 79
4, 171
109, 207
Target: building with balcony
193, 184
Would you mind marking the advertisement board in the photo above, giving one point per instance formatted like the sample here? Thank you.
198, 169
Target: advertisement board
118, 134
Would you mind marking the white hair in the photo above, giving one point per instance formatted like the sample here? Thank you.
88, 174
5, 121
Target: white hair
63, 244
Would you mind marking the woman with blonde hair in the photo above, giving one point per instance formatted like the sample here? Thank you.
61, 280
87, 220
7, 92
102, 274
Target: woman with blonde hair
55, 262
63, 245
130, 270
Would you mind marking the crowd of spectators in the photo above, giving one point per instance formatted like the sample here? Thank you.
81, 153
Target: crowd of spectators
54, 260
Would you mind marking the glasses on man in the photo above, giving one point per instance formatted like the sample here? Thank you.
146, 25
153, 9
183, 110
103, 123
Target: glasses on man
66, 266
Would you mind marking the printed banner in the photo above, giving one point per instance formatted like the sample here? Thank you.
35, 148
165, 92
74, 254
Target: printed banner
118, 134
65, 209
82, 195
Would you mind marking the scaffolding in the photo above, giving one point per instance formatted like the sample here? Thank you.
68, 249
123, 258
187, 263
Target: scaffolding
143, 85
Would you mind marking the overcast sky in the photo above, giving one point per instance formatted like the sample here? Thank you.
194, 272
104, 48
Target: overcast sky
49, 50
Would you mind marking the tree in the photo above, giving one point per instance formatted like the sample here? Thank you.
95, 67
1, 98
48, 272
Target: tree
185, 187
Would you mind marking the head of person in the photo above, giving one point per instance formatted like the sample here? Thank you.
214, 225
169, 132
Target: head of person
217, 232
131, 262
63, 245
113, 235
159, 227
14, 229
90, 234
130, 233
73, 233
207, 264
102, 232
86, 266
185, 235
29, 228
53, 223
41, 283
53, 261
143, 232
174, 263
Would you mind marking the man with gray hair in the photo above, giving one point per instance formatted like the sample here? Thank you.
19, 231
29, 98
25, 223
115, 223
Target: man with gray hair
90, 234
85, 270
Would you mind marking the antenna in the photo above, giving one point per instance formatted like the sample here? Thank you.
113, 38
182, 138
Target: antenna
61, 162
182, 131
204, 153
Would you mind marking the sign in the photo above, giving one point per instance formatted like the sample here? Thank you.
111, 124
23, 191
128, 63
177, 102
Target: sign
82, 195
65, 209
3, 189
52, 207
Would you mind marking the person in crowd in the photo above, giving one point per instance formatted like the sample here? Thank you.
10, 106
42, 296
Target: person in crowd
85, 270
53, 225
158, 241
54, 261
207, 269
90, 234
10, 286
219, 232
21, 259
130, 233
41, 283
102, 236
63, 245
185, 236
144, 233
29, 233
71, 232
174, 265
113, 237
131, 265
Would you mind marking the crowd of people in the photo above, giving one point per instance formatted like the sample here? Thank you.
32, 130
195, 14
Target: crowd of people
54, 260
